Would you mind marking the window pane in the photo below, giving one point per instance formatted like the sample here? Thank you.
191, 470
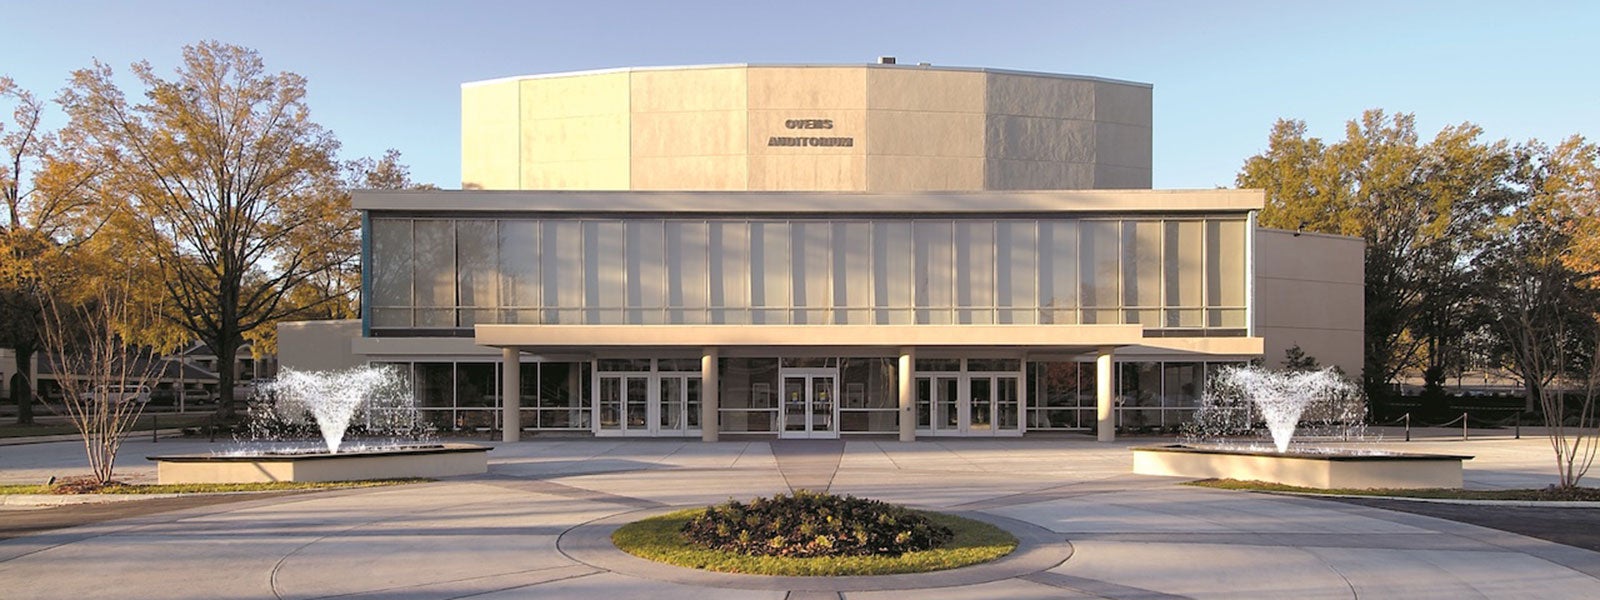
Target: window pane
852, 272
391, 269
519, 264
892, 260
811, 255
435, 263
1182, 385
646, 287
769, 279
562, 264
1185, 269
1225, 263
476, 385
1141, 264
974, 272
687, 285
935, 266
1058, 271
1016, 269
730, 271
1100, 253
604, 269
477, 284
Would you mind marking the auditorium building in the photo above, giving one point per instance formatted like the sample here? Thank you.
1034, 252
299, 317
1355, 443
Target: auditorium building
823, 251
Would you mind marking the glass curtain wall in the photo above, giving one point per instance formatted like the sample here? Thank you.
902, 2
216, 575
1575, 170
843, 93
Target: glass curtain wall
1186, 275
1155, 396
465, 395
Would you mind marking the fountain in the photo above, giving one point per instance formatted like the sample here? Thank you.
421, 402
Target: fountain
373, 400
1244, 401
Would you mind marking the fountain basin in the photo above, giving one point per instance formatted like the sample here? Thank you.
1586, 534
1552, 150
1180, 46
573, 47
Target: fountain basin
440, 460
1304, 469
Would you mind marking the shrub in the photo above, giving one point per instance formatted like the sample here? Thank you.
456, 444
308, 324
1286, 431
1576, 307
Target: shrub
808, 524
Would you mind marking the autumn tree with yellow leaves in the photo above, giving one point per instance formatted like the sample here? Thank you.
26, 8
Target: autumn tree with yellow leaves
223, 187
1414, 203
47, 214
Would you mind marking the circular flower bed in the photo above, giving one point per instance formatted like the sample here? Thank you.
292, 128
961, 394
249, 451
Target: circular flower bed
813, 534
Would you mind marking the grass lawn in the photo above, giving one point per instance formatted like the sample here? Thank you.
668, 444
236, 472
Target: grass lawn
145, 423
211, 488
658, 539
1544, 494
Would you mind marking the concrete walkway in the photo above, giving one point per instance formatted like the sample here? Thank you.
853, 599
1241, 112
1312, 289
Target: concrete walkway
520, 531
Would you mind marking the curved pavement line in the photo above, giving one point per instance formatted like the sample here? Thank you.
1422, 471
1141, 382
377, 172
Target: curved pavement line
1577, 559
1038, 550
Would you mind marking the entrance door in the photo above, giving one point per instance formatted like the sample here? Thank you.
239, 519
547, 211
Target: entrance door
939, 404
624, 406
992, 406
810, 409
678, 405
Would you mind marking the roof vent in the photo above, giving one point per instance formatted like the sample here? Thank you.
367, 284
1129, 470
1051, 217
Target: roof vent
885, 60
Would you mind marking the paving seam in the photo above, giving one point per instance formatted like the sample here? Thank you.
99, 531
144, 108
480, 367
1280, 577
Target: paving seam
384, 592
272, 579
80, 533
1097, 588
571, 492
1577, 559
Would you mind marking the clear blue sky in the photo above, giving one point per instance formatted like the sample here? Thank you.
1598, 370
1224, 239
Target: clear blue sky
387, 74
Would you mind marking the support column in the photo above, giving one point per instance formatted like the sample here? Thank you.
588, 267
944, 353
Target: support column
708, 395
510, 395
1104, 409
908, 395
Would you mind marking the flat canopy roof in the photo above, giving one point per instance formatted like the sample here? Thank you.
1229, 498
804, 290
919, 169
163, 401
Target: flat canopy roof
976, 203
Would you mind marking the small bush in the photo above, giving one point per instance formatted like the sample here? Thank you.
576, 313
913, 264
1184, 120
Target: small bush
809, 524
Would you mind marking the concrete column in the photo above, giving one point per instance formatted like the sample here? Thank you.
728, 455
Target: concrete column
1104, 409
708, 395
908, 395
510, 394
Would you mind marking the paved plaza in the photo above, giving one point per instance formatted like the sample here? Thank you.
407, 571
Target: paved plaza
528, 529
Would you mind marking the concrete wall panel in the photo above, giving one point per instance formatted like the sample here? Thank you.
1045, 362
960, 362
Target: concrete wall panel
924, 173
1122, 103
1036, 96
1040, 139
923, 133
1310, 291
808, 172
689, 133
1036, 175
489, 136
580, 95
318, 345
807, 88
682, 172
922, 90
1107, 177
1122, 145
689, 90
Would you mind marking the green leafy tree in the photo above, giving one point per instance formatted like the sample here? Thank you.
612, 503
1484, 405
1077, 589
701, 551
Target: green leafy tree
1414, 204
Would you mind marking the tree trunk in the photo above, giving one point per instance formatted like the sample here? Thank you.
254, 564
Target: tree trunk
22, 387
225, 349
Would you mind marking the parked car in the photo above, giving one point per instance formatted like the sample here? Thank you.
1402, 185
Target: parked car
122, 393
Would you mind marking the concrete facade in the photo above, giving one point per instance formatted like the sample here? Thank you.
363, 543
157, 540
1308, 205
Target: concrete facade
811, 128
1310, 291
319, 345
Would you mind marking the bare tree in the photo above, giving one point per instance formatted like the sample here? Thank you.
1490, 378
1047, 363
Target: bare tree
99, 374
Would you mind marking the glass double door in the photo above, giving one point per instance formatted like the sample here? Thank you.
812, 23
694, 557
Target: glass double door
969, 404
647, 404
810, 403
